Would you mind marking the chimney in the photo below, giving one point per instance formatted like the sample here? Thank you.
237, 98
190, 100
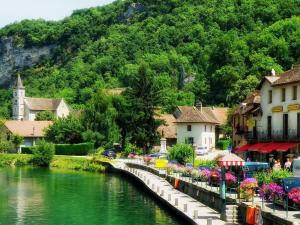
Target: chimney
273, 72
199, 106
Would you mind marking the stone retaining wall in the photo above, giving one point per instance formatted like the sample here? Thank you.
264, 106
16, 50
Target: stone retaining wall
213, 200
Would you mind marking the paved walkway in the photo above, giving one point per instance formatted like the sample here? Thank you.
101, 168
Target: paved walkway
191, 208
292, 216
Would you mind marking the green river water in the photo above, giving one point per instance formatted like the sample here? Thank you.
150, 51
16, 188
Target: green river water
30, 196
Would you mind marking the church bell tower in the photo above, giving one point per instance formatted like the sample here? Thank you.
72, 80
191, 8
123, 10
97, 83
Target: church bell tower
18, 100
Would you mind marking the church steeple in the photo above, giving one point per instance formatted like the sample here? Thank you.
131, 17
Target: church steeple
19, 84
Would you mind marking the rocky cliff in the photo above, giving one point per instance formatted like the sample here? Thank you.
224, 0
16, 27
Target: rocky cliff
14, 58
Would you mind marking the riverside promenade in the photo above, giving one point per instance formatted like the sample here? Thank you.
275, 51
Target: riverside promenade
194, 211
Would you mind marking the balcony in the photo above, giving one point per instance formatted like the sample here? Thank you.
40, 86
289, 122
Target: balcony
276, 135
240, 130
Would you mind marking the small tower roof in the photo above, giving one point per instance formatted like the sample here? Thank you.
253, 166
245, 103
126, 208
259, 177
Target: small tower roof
19, 84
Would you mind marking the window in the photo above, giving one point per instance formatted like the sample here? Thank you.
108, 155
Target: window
283, 94
189, 127
294, 93
190, 140
269, 126
298, 125
205, 128
270, 96
285, 125
211, 129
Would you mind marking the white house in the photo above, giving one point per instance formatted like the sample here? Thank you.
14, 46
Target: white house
26, 108
196, 125
280, 104
277, 130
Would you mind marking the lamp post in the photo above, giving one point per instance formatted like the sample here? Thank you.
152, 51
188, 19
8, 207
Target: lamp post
194, 149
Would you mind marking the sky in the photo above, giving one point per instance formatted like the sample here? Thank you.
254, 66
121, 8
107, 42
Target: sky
17, 10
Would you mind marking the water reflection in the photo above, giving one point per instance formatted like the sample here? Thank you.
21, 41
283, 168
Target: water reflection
49, 197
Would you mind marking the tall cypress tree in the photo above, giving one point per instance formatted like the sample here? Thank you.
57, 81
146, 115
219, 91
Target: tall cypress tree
143, 98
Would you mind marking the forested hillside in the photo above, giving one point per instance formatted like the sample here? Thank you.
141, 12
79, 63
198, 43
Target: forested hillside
215, 51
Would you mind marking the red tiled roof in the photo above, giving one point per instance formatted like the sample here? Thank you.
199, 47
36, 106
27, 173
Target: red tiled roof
290, 76
27, 128
191, 114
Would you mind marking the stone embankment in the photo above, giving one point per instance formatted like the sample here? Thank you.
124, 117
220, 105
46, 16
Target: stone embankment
187, 207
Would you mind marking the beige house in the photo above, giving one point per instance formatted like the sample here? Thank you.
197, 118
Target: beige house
26, 108
31, 131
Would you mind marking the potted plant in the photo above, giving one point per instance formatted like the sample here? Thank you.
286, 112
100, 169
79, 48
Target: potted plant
247, 188
195, 174
147, 160
214, 177
230, 180
271, 191
204, 175
294, 195
186, 172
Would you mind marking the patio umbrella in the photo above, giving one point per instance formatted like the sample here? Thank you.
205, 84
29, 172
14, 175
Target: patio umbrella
227, 160
231, 160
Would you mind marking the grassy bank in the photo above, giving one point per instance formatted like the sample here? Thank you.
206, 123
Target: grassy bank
77, 163
61, 162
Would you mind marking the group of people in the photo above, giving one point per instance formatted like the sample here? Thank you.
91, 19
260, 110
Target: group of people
288, 165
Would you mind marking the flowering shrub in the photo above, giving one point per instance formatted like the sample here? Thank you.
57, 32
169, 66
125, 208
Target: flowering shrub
294, 194
247, 187
230, 179
147, 159
186, 172
132, 156
249, 183
195, 174
204, 174
214, 177
270, 191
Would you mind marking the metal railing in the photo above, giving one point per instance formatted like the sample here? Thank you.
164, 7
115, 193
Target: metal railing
274, 135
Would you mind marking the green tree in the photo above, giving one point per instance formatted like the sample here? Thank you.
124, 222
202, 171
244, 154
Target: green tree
65, 131
43, 153
17, 141
45, 116
181, 152
99, 116
143, 98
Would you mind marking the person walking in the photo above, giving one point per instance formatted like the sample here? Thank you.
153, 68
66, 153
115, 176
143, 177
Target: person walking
287, 164
277, 165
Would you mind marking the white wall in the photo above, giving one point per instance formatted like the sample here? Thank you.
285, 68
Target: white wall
62, 109
277, 117
201, 137
18, 104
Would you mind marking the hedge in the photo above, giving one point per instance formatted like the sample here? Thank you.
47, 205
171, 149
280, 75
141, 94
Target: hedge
223, 144
27, 150
74, 149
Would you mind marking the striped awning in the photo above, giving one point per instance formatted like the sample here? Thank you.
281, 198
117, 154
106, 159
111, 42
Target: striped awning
230, 160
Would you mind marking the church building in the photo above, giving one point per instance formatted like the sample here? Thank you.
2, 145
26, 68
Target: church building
26, 108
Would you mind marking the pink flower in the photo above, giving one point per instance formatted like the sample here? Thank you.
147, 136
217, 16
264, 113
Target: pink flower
230, 179
294, 194
269, 191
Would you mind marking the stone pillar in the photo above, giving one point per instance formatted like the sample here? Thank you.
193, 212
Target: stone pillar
163, 145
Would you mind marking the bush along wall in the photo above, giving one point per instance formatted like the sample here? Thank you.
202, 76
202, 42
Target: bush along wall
223, 144
27, 150
74, 149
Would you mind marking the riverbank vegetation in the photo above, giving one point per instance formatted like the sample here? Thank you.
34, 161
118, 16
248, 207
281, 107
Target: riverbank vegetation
61, 162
